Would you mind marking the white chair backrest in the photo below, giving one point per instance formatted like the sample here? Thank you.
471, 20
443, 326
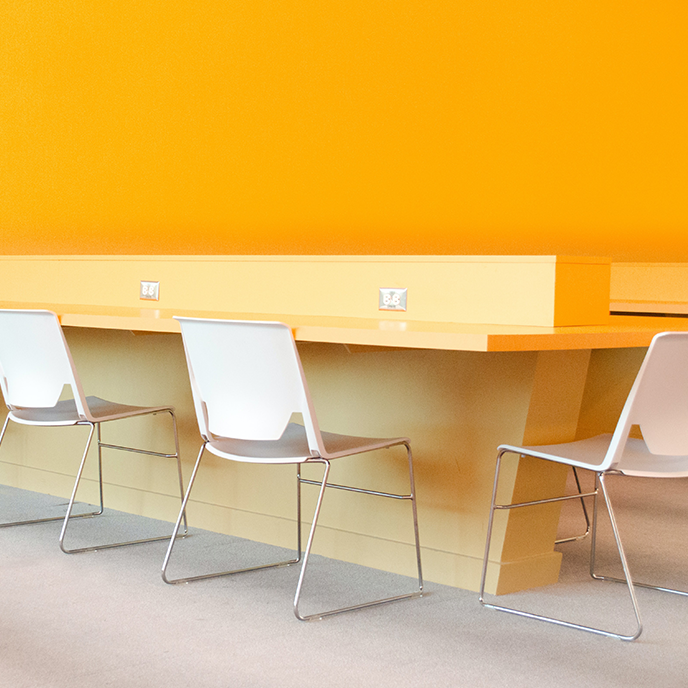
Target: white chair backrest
35, 363
658, 400
246, 379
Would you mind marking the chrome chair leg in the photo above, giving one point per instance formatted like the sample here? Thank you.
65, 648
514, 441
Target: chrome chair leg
490, 521
4, 427
624, 563
179, 467
298, 513
414, 508
309, 543
575, 538
101, 446
374, 603
38, 520
100, 469
518, 612
303, 558
75, 488
187, 579
613, 579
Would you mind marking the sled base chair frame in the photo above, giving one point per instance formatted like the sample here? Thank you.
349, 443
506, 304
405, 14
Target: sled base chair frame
302, 557
35, 365
658, 404
254, 368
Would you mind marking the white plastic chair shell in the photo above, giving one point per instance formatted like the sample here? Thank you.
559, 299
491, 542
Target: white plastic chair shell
35, 363
35, 367
258, 362
247, 382
658, 404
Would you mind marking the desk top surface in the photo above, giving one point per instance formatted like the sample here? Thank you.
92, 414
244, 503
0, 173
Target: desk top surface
622, 332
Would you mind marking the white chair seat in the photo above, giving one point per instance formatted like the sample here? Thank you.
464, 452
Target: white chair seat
636, 458
293, 447
65, 412
639, 461
586, 453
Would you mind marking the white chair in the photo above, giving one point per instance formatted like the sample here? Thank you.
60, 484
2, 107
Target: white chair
35, 366
658, 403
247, 381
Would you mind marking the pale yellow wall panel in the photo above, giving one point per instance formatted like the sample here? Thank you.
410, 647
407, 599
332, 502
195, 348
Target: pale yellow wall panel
557, 396
452, 405
649, 282
509, 290
39, 480
610, 378
527, 573
554, 409
55, 450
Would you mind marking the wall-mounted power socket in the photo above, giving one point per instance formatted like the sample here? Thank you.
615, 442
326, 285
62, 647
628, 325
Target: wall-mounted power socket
150, 291
393, 299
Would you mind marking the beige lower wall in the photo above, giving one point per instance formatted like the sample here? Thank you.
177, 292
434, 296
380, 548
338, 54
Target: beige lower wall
451, 404
610, 377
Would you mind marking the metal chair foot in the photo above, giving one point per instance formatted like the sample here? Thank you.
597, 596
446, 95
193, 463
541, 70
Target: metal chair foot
204, 576
354, 607
374, 603
90, 514
648, 586
68, 517
95, 548
567, 624
559, 622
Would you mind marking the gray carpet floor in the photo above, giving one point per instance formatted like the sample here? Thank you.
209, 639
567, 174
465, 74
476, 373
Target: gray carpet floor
107, 619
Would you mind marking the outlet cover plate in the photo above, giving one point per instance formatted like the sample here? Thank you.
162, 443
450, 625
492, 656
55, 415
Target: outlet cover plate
392, 299
150, 291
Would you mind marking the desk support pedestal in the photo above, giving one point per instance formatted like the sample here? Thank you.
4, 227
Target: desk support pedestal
523, 539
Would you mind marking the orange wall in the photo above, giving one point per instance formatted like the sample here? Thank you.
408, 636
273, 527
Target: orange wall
365, 126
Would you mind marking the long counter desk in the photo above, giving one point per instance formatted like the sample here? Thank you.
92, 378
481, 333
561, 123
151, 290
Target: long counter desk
457, 390
623, 331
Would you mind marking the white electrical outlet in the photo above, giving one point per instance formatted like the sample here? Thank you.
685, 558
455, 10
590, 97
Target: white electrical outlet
393, 299
150, 291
